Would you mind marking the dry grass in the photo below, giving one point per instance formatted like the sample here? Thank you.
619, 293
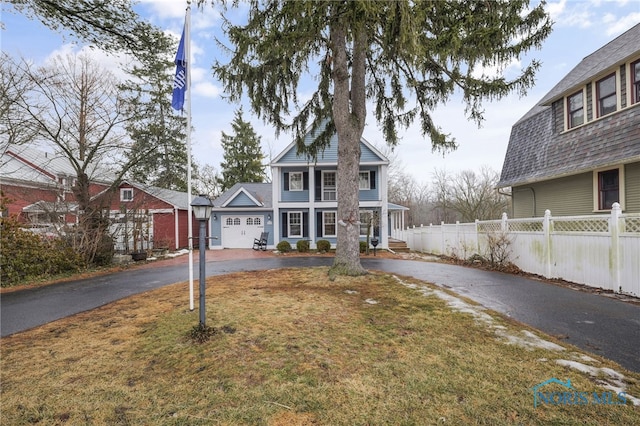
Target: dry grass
291, 348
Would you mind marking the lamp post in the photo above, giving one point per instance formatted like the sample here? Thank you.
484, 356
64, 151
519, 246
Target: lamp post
202, 211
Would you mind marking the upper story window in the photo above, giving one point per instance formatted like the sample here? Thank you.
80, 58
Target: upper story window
575, 108
328, 186
365, 183
635, 82
295, 181
126, 194
606, 95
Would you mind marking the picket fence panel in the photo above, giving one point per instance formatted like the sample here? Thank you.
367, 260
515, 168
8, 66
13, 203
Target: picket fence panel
601, 251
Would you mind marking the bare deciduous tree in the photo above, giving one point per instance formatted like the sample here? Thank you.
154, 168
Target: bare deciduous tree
74, 106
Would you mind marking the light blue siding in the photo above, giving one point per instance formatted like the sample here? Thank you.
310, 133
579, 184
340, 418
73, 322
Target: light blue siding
329, 155
242, 200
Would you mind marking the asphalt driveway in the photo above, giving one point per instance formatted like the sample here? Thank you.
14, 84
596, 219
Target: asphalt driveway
596, 323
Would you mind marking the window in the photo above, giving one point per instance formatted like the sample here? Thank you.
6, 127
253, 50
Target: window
606, 94
295, 181
575, 109
329, 224
294, 225
249, 221
635, 82
328, 186
608, 189
126, 194
257, 221
229, 221
236, 221
364, 181
365, 218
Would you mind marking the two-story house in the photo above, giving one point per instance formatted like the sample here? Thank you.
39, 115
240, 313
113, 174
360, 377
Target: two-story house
578, 150
301, 201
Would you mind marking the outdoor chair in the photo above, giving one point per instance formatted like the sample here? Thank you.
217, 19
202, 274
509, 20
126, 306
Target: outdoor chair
261, 243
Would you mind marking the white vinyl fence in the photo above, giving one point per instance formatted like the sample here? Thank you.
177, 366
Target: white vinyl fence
601, 251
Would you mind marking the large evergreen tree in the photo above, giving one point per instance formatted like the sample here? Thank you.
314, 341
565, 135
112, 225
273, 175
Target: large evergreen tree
405, 56
111, 25
242, 155
158, 154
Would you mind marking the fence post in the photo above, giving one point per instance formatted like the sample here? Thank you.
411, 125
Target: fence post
503, 223
546, 232
477, 237
614, 232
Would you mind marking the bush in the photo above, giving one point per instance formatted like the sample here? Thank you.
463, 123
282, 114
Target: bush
26, 256
323, 246
283, 247
363, 246
303, 246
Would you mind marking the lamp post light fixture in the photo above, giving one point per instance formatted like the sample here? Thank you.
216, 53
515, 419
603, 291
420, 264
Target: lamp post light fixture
202, 211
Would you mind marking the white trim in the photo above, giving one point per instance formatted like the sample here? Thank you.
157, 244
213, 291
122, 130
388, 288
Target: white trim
124, 191
301, 181
244, 191
335, 223
368, 172
335, 186
289, 235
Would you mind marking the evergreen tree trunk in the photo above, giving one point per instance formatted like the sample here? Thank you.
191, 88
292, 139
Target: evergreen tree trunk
349, 113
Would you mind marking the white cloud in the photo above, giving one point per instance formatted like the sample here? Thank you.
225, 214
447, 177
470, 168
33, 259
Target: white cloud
616, 26
111, 62
206, 89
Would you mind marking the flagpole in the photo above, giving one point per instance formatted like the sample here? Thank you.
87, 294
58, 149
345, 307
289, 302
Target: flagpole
187, 32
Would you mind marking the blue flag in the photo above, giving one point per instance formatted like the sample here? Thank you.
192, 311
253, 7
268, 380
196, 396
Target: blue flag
180, 79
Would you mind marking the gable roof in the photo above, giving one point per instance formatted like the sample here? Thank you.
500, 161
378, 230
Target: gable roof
369, 153
536, 153
256, 192
25, 163
177, 199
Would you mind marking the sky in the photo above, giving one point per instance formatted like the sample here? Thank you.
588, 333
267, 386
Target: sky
580, 27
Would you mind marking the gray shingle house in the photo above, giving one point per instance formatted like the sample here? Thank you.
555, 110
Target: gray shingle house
578, 150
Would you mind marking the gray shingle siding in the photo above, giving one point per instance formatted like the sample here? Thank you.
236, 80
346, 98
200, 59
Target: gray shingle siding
536, 152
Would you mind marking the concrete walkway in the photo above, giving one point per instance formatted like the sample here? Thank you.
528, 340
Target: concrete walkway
595, 323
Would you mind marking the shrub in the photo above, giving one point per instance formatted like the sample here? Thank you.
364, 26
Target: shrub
323, 246
26, 256
283, 247
363, 246
303, 246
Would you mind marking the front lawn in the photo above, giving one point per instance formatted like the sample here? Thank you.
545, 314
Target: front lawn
294, 347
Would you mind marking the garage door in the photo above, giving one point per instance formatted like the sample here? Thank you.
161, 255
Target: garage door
239, 231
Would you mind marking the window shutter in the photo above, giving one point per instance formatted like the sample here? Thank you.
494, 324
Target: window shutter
305, 225
305, 181
372, 179
286, 181
284, 224
318, 185
319, 224
376, 231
